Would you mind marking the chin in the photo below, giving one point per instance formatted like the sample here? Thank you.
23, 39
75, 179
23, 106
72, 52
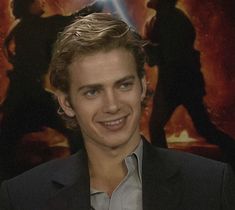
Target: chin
115, 141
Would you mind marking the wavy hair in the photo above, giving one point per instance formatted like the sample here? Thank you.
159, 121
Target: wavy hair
88, 35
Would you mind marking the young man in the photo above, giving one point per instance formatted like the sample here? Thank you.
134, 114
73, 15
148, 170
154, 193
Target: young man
97, 69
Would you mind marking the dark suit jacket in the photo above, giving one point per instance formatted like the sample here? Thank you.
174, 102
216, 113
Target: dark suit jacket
171, 181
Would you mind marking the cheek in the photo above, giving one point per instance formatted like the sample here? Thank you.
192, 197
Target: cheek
136, 97
86, 110
137, 104
133, 101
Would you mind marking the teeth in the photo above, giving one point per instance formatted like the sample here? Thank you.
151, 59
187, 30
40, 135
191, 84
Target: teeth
112, 123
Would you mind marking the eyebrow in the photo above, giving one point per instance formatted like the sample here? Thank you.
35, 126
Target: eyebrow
131, 77
99, 86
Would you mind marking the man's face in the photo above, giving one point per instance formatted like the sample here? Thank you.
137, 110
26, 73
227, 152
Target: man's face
105, 97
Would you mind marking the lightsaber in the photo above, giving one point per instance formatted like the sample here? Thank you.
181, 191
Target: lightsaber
119, 10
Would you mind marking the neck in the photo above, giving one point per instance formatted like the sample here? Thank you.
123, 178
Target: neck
106, 166
105, 157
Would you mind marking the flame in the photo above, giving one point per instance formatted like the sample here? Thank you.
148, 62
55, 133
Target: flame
216, 50
183, 136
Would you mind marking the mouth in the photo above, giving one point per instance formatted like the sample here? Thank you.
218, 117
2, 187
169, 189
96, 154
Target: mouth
114, 125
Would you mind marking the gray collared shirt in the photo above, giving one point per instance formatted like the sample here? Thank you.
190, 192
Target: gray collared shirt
128, 194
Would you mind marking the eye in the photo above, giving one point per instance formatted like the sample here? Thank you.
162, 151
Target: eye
126, 86
91, 93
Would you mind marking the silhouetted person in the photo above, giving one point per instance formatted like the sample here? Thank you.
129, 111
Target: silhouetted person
28, 107
180, 80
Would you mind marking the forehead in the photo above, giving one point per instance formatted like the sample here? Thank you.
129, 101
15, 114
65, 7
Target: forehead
102, 67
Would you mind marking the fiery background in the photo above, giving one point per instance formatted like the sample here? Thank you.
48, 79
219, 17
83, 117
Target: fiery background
214, 23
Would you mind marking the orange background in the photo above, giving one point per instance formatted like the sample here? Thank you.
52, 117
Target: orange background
214, 24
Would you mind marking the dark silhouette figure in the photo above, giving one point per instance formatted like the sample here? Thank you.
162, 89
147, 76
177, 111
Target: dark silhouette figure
180, 80
28, 107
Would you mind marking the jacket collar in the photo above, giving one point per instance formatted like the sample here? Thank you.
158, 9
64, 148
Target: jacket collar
161, 182
161, 179
73, 182
72, 170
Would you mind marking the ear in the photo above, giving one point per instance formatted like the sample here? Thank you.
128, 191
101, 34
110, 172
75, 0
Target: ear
65, 104
144, 88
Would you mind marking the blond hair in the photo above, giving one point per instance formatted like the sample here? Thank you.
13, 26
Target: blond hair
89, 35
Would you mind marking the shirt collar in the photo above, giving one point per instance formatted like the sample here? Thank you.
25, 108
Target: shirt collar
138, 154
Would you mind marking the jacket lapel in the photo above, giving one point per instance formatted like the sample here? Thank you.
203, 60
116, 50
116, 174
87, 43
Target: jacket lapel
73, 182
160, 175
161, 180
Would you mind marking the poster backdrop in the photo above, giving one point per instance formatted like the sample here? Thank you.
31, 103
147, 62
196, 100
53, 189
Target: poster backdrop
213, 21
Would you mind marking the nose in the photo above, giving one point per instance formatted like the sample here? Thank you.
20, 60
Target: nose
111, 102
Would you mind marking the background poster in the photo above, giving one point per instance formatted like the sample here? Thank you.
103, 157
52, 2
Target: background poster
213, 21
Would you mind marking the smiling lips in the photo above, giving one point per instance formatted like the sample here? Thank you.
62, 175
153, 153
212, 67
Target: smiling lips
114, 125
